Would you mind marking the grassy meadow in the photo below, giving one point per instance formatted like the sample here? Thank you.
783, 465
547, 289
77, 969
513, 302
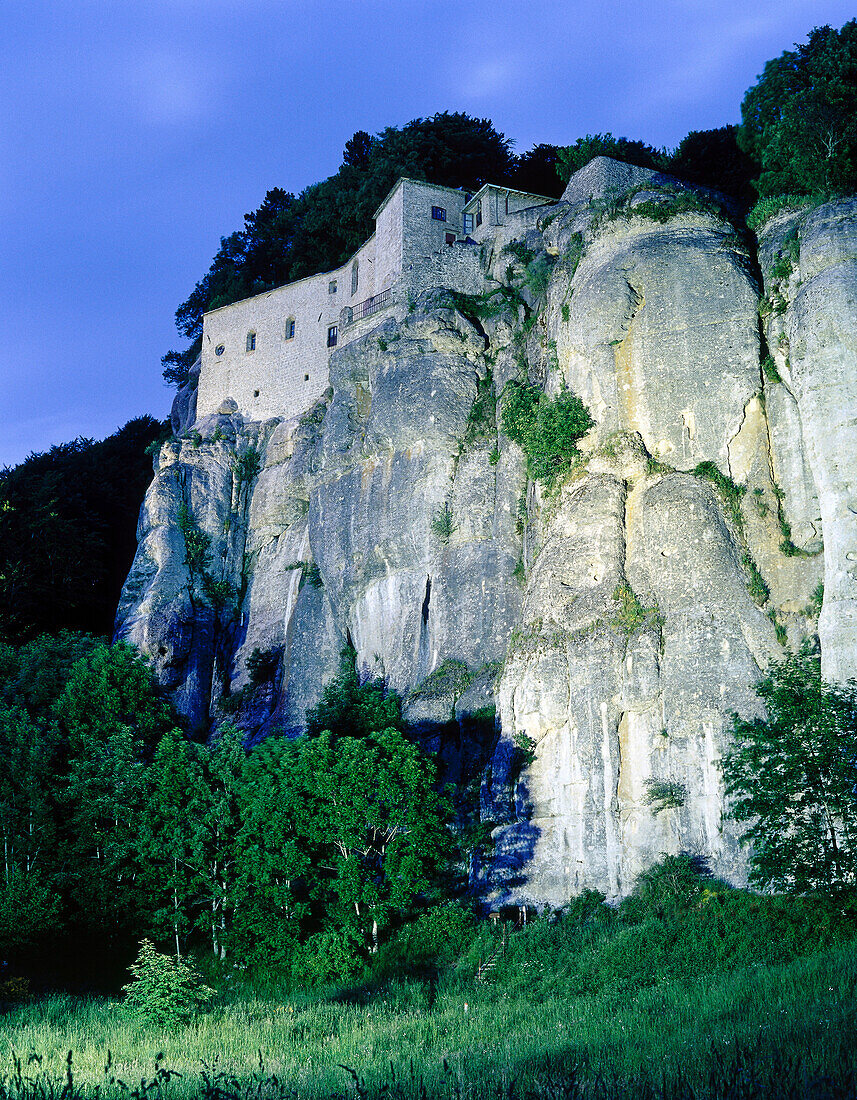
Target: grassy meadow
735, 997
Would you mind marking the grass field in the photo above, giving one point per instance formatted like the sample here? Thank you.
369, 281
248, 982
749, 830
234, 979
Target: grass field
666, 1007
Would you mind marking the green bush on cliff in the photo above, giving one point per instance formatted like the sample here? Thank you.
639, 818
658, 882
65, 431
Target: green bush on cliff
545, 428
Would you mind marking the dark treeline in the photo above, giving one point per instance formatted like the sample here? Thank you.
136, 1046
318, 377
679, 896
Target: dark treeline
68, 522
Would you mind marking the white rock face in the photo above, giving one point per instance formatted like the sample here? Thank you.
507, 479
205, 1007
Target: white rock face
616, 624
818, 321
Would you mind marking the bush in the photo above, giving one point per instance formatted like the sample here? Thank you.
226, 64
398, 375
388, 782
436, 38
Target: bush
165, 991
546, 429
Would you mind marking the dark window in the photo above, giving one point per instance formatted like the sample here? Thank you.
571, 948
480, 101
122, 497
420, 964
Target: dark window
290, 329
450, 238
306, 378
355, 276
331, 286
479, 213
255, 393
332, 336
438, 213
251, 341
220, 349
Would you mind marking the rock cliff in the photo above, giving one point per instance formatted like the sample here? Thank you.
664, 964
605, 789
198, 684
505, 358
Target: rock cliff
615, 621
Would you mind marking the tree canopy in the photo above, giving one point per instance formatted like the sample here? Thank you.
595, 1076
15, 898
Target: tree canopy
68, 532
793, 779
799, 120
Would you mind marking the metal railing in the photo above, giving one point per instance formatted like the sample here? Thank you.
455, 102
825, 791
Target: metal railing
372, 305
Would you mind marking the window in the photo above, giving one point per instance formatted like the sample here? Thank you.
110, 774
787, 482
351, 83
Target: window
355, 276
468, 223
220, 349
290, 329
332, 336
331, 286
479, 213
251, 341
438, 213
255, 393
306, 378
450, 238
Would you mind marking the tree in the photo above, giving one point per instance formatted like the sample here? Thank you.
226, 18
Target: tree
351, 709
713, 158
187, 828
793, 779
372, 805
537, 171
111, 714
68, 523
799, 120
571, 158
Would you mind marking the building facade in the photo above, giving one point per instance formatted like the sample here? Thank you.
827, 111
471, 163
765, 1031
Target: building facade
270, 353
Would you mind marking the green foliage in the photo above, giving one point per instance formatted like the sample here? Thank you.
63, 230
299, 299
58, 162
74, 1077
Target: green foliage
450, 677
262, 665
798, 120
756, 586
246, 465
816, 600
664, 795
668, 888
793, 776
673, 204
632, 614
573, 157
565, 311
730, 492
770, 205
68, 524
769, 369
197, 543
482, 418
354, 709
525, 748
165, 991
546, 429
441, 524
713, 158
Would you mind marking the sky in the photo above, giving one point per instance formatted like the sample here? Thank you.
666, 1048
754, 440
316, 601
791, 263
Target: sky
134, 134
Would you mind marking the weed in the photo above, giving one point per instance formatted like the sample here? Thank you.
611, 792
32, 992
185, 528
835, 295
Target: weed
441, 524
632, 614
520, 572
730, 492
769, 369
565, 311
779, 628
759, 591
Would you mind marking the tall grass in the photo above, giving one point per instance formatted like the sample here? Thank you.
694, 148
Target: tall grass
591, 1010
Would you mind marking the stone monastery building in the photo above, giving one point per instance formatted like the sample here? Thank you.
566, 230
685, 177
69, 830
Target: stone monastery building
270, 353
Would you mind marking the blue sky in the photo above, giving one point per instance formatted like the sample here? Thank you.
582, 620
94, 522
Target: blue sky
133, 135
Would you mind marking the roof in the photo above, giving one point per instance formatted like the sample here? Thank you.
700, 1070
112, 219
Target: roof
509, 191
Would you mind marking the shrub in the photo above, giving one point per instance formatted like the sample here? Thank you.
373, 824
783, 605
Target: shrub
546, 429
165, 991
262, 665
669, 887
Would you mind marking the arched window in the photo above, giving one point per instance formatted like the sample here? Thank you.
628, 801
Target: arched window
290, 329
251, 341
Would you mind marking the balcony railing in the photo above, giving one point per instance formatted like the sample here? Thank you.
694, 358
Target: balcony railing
372, 305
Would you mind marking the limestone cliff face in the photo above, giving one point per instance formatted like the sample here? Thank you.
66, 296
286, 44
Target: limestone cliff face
617, 622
